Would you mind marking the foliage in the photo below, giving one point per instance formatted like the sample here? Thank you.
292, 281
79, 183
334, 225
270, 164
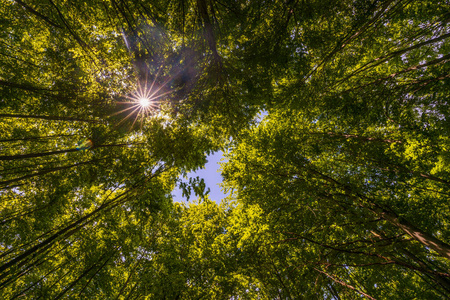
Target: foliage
339, 192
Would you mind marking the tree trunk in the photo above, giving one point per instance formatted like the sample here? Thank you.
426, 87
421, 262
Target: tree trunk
31, 155
424, 238
38, 14
43, 172
341, 282
55, 118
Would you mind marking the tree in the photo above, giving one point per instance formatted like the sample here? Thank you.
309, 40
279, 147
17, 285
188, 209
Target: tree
328, 191
340, 191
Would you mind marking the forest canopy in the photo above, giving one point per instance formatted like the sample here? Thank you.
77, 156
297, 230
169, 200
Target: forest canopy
340, 190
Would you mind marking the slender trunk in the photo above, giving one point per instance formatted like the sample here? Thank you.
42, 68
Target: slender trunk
22, 293
70, 229
132, 291
421, 83
422, 237
38, 14
49, 240
98, 270
396, 168
28, 168
42, 154
18, 214
24, 245
43, 172
385, 260
208, 29
31, 155
440, 280
443, 59
35, 138
73, 283
353, 34
23, 86
333, 291
31, 264
341, 282
362, 138
71, 31
280, 279
122, 289
53, 118
60, 278
74, 227
379, 60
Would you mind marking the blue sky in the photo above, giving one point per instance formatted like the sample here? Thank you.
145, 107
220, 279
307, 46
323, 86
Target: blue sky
211, 173
212, 177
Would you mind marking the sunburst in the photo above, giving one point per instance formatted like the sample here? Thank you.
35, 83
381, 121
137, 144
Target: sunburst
146, 100
143, 102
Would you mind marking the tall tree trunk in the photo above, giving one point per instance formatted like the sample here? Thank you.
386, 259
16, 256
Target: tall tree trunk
36, 138
424, 238
38, 14
442, 248
341, 282
42, 154
55, 118
208, 29
43, 172
379, 60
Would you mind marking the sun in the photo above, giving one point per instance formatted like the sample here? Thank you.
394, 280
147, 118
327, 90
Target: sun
144, 102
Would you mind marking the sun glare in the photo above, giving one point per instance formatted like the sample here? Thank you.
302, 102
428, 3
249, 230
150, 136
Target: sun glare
144, 102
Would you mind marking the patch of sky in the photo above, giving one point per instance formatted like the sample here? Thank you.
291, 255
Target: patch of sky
429, 110
260, 116
212, 177
211, 173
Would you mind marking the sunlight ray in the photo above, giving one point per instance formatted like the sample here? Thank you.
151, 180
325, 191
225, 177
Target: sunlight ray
123, 110
135, 119
129, 115
159, 96
156, 77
